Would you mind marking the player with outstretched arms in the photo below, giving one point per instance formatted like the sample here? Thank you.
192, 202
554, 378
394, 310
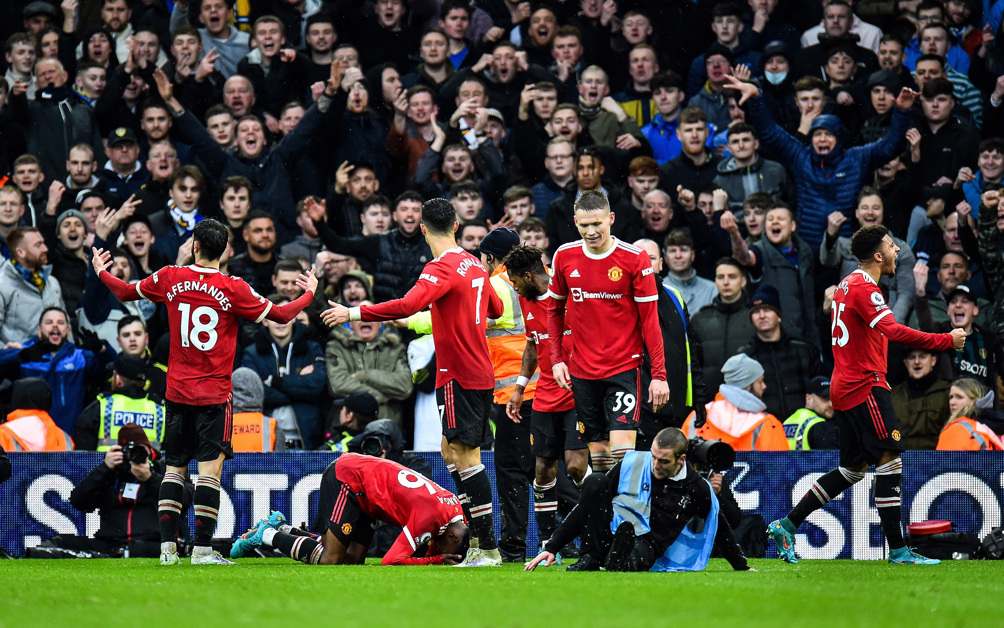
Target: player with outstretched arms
357, 491
204, 310
609, 291
455, 284
861, 329
554, 425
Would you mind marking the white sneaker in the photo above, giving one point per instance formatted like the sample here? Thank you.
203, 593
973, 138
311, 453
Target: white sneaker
210, 558
477, 557
169, 554
169, 558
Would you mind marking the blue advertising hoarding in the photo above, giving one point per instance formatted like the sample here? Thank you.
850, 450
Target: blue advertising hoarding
964, 487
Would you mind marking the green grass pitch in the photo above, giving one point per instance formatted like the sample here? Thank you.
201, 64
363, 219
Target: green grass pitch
276, 592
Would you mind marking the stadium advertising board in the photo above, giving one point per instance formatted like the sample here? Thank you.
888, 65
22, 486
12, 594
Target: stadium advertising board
963, 487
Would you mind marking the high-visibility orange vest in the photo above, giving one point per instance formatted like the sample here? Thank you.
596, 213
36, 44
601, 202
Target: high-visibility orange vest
766, 434
33, 430
965, 434
253, 433
506, 341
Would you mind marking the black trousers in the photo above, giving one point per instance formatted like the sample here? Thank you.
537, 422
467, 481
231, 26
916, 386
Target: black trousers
513, 475
594, 513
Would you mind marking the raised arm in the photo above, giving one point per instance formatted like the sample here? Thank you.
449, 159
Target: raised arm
100, 261
428, 288
897, 332
287, 311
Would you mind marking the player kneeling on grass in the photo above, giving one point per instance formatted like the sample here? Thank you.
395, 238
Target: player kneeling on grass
358, 491
651, 512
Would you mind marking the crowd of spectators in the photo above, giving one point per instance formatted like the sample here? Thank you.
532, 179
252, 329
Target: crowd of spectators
746, 139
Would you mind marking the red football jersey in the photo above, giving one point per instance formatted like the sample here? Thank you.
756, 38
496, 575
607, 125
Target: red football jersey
393, 493
612, 310
549, 397
204, 310
457, 287
860, 331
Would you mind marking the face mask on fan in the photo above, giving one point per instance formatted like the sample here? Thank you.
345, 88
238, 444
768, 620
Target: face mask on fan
775, 78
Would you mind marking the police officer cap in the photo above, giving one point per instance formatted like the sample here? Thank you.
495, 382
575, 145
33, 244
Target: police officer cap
362, 403
819, 386
130, 367
500, 242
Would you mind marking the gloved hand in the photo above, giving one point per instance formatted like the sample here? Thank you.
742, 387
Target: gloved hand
87, 339
35, 352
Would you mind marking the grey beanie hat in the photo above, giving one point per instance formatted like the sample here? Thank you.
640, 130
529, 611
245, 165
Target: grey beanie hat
249, 392
71, 213
741, 370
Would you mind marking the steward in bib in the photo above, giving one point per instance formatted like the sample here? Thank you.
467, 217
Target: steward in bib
651, 512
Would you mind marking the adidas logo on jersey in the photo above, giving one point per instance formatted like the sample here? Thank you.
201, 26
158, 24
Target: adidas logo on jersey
574, 273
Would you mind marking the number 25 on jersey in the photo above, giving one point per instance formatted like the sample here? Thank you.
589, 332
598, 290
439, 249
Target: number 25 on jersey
839, 334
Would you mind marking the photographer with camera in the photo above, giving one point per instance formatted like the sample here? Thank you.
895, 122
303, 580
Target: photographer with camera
358, 410
124, 490
652, 512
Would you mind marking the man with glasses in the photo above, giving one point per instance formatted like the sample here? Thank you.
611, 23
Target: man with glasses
559, 162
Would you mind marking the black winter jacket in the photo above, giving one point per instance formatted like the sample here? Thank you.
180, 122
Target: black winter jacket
788, 365
722, 328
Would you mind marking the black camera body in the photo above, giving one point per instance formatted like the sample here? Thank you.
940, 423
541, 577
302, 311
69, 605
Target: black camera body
134, 453
710, 455
374, 445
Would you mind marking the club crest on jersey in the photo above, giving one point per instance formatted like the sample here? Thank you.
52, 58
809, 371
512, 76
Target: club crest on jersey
896, 435
615, 273
346, 529
580, 427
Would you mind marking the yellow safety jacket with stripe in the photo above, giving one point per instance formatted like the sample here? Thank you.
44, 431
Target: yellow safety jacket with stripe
116, 410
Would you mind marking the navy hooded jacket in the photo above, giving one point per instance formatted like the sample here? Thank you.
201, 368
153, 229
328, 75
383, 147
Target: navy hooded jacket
825, 183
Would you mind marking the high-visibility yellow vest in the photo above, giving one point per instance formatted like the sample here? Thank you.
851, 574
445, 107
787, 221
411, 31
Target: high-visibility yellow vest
117, 410
797, 426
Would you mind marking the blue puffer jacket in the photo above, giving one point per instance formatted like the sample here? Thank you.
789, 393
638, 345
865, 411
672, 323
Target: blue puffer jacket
825, 183
66, 371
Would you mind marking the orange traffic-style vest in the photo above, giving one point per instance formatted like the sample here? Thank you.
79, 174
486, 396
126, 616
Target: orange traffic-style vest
506, 341
33, 430
253, 433
766, 434
965, 434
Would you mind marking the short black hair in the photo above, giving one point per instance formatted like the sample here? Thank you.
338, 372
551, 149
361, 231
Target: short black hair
127, 320
524, 259
53, 308
438, 216
730, 261
866, 241
742, 127
212, 236
992, 145
257, 214
407, 195
938, 87
376, 199
450, 5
